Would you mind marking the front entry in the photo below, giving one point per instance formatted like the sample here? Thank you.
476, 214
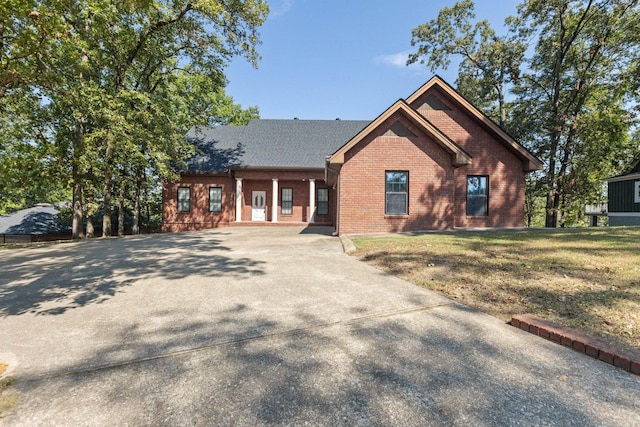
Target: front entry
258, 206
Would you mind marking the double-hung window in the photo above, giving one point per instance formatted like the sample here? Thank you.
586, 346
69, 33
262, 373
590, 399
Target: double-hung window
396, 193
184, 199
215, 199
287, 201
323, 201
477, 195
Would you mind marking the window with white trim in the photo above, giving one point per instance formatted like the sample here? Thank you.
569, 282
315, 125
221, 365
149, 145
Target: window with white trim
286, 201
396, 193
184, 199
477, 195
323, 201
215, 199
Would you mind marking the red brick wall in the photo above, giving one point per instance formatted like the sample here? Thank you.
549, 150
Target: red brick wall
437, 191
362, 183
490, 157
199, 216
254, 180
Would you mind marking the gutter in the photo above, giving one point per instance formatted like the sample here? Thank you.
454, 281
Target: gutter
328, 169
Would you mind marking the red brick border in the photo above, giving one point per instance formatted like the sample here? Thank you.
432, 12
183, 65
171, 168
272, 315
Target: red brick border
624, 358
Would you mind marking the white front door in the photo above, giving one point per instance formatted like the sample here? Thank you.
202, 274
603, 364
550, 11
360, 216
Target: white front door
258, 206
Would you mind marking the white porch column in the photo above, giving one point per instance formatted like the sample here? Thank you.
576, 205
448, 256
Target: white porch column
312, 200
274, 201
238, 199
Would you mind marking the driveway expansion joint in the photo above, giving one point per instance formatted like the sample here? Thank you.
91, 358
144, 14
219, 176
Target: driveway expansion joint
593, 346
114, 365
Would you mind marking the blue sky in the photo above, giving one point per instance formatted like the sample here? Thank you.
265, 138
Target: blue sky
327, 59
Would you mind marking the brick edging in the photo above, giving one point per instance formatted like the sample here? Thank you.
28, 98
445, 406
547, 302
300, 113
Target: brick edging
621, 357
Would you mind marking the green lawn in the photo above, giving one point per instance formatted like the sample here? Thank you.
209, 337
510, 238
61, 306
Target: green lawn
583, 278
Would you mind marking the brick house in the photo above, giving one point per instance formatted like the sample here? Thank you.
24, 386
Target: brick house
431, 161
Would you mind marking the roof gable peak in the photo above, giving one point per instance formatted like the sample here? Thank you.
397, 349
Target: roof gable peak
459, 156
530, 162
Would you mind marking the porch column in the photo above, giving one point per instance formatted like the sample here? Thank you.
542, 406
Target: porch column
274, 201
238, 199
312, 200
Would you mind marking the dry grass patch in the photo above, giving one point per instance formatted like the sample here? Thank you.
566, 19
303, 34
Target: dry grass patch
583, 278
7, 401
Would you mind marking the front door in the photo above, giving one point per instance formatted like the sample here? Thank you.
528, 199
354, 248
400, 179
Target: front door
258, 206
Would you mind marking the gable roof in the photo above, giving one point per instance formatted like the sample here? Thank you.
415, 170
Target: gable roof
269, 144
460, 157
530, 161
305, 144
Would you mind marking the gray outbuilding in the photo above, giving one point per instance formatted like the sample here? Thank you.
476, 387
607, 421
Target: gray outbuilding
624, 198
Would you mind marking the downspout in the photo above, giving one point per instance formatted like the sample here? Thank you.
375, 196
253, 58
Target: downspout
338, 207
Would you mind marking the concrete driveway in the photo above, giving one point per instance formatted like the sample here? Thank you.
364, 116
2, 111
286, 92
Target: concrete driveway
270, 326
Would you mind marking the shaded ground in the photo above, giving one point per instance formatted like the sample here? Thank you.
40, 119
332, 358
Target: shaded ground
583, 278
272, 326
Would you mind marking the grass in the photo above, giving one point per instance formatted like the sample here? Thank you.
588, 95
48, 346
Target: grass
583, 278
7, 401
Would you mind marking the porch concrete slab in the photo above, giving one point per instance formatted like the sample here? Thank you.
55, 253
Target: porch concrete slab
272, 325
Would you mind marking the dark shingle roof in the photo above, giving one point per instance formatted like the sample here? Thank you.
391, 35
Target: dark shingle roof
270, 143
40, 219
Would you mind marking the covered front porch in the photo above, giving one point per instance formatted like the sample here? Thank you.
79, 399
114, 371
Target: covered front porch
287, 197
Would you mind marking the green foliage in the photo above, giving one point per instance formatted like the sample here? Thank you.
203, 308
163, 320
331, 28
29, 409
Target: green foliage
488, 62
561, 81
112, 87
29, 170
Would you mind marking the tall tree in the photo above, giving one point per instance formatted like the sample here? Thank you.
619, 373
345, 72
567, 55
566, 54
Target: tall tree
574, 83
568, 66
489, 63
103, 70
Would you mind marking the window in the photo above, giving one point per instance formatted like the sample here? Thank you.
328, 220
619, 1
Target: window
287, 201
184, 199
215, 199
397, 193
323, 201
477, 195
636, 198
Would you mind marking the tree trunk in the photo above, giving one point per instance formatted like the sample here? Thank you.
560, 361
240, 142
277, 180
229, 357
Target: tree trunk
76, 227
551, 218
108, 181
121, 205
501, 105
121, 220
146, 202
136, 210
135, 229
91, 233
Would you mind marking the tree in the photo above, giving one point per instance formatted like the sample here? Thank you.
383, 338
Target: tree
569, 69
489, 62
29, 170
114, 106
574, 84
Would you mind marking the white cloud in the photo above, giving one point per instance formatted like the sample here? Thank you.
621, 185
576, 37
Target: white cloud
398, 60
279, 8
